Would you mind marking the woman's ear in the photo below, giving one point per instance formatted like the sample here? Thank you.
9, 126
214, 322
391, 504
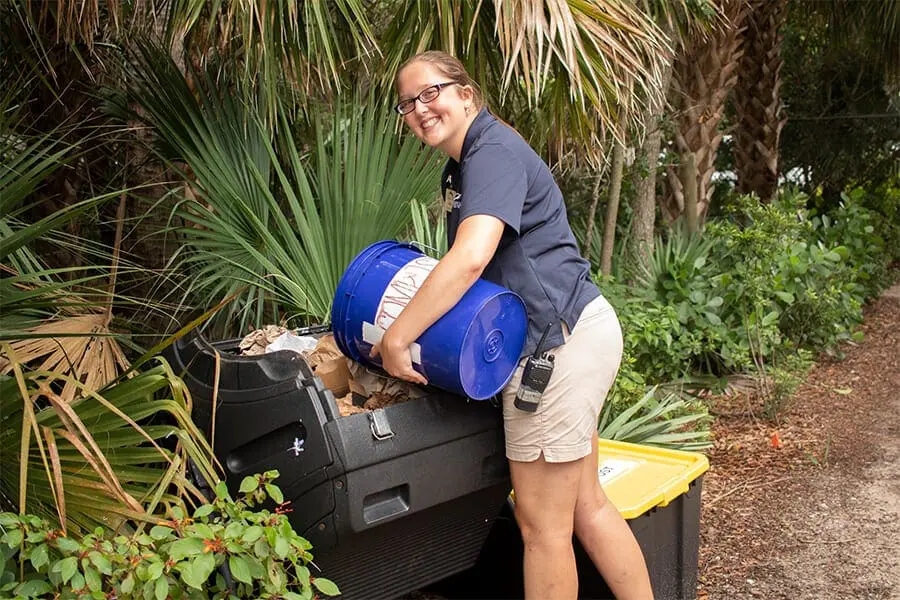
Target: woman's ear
467, 93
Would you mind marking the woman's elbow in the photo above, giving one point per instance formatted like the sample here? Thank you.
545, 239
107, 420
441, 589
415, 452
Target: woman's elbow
471, 264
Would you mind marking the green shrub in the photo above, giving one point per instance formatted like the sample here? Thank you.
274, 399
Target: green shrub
672, 318
775, 268
184, 557
855, 232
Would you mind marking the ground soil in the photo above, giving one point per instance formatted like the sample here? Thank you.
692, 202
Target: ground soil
809, 508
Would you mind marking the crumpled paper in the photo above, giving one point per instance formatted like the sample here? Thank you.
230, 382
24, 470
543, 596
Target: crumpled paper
346, 378
256, 341
289, 341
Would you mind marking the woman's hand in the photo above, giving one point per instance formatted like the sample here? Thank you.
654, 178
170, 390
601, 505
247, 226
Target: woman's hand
396, 359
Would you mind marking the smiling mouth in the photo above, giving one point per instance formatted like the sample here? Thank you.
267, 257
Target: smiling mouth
429, 123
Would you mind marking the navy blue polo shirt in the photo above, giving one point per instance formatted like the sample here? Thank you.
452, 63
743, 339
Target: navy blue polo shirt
500, 175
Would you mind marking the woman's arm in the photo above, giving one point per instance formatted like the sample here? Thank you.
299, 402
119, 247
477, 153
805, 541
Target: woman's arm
476, 241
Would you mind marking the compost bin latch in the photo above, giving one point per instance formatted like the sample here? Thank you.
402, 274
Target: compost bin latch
378, 423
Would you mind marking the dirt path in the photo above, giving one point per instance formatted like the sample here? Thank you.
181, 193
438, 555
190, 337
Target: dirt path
819, 516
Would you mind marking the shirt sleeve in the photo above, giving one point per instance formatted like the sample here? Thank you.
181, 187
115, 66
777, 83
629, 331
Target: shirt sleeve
494, 183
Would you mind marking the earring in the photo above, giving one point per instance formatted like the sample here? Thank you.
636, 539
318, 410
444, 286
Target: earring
468, 109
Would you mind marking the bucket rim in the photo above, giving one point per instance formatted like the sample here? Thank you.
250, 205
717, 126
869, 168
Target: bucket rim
350, 280
338, 309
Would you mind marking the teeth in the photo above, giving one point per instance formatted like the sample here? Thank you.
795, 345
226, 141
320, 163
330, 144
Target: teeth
429, 123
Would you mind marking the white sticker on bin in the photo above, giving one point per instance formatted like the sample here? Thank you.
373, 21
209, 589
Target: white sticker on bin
372, 335
611, 468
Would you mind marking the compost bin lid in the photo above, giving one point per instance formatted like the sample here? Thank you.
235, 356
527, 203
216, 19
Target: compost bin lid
637, 478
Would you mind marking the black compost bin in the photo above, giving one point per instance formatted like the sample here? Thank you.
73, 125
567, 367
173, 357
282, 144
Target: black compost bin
392, 499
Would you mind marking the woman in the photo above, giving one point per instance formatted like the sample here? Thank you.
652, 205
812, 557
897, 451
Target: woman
507, 223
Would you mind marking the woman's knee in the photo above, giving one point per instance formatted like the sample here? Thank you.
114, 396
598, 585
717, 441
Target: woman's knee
591, 501
543, 527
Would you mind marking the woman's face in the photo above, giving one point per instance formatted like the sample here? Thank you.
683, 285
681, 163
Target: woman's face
441, 123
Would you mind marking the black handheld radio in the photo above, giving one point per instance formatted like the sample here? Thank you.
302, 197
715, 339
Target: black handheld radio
535, 377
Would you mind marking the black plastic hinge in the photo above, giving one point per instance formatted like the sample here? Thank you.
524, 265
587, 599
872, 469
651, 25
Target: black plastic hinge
378, 423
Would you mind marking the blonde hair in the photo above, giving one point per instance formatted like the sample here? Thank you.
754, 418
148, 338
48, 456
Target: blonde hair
450, 66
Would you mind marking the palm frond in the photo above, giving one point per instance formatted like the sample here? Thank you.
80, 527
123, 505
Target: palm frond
104, 456
585, 64
430, 237
657, 419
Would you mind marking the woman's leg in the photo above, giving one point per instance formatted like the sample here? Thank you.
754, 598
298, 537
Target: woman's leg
606, 537
546, 494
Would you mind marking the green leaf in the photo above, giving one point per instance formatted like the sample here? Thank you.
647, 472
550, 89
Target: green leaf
282, 547
249, 484
715, 302
186, 547
155, 570
93, 579
35, 588
274, 493
326, 586
190, 577
127, 584
67, 567
204, 511
786, 297
13, 538
240, 570
8, 520
203, 530
161, 532
67, 545
40, 556
253, 533
161, 589
101, 562
204, 565
222, 491
234, 529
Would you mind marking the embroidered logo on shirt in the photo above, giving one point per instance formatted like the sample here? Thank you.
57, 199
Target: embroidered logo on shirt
451, 199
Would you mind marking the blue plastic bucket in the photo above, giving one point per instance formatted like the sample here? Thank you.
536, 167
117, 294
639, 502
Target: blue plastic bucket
472, 350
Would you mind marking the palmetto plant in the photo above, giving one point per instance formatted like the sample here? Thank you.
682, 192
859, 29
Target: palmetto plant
276, 219
71, 448
659, 418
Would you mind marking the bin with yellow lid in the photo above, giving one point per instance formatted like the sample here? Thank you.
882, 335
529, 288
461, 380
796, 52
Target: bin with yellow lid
656, 490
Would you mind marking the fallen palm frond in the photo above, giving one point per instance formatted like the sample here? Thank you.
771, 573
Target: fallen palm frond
103, 457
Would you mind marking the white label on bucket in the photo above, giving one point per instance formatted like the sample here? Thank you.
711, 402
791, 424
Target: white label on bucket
611, 468
372, 335
404, 285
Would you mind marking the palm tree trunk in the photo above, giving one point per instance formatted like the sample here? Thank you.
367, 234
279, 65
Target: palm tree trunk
643, 216
705, 72
612, 207
592, 214
757, 100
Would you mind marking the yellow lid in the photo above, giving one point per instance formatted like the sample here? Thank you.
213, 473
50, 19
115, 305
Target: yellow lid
637, 478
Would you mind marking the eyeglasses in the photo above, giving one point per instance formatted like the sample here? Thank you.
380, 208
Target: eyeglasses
404, 107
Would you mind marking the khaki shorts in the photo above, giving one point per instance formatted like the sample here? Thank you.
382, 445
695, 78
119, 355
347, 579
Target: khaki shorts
566, 419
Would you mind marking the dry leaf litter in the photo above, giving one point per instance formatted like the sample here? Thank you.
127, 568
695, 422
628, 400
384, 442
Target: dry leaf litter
356, 389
